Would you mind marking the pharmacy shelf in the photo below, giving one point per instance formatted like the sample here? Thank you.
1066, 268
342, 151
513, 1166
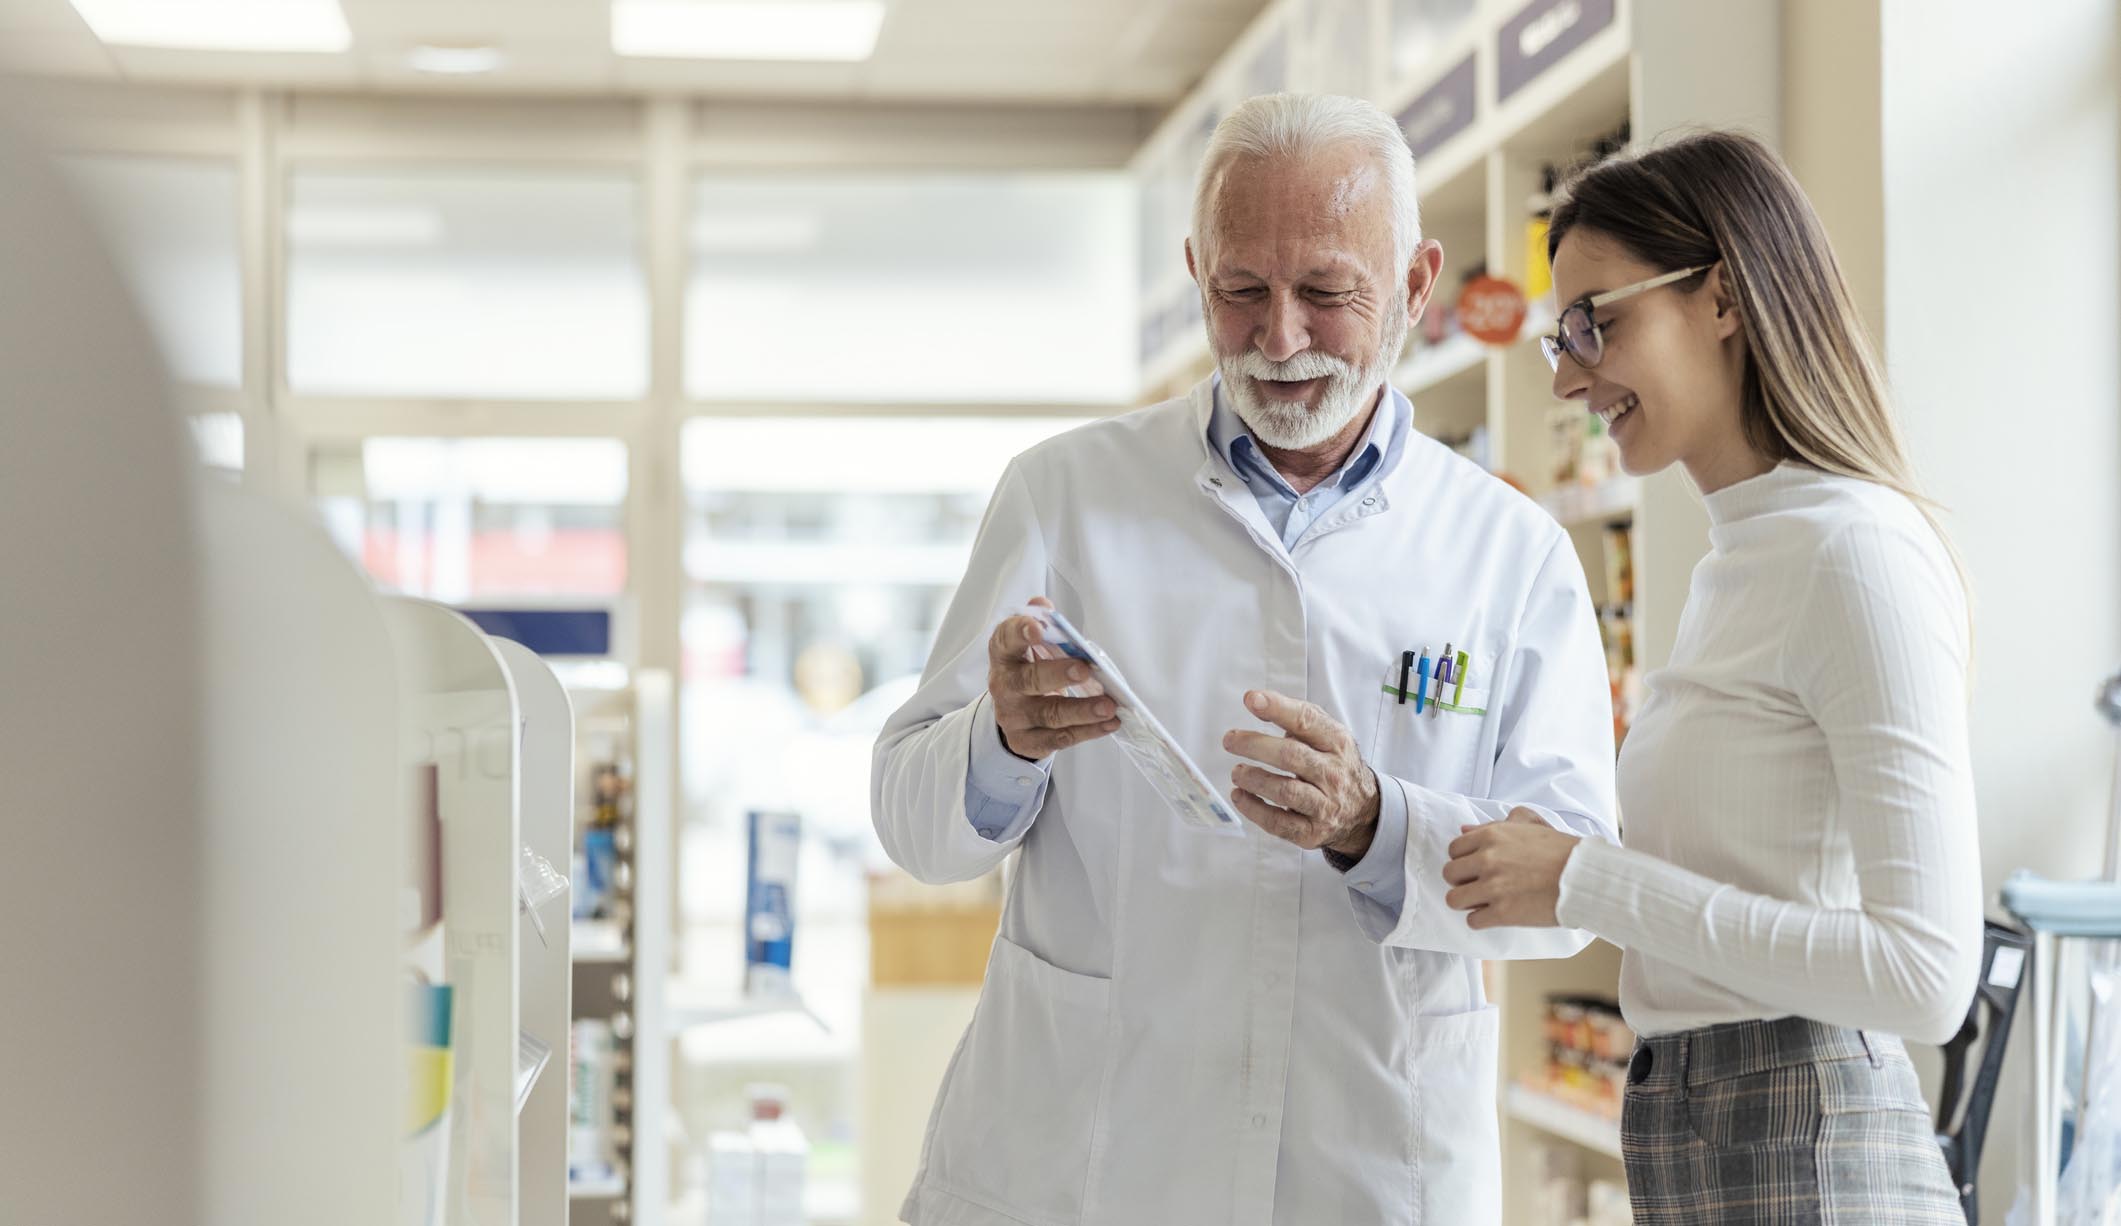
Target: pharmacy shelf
1608, 501
803, 1049
297, 952
1559, 1119
1439, 363
610, 1188
486, 722
460, 716
545, 820
599, 941
621, 964
832, 1201
687, 1014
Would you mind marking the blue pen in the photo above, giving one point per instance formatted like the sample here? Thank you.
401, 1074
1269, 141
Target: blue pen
1421, 694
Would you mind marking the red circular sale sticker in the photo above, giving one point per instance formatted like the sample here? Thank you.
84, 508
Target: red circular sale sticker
1491, 309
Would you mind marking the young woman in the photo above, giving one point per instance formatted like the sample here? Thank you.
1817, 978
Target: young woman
1799, 880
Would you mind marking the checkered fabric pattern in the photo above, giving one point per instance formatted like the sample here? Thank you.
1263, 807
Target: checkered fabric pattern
1781, 1122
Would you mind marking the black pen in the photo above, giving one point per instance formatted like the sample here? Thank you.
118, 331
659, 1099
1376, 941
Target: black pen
1406, 665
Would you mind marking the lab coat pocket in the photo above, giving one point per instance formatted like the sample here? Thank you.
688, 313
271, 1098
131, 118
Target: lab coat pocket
1460, 1176
1435, 747
1018, 1109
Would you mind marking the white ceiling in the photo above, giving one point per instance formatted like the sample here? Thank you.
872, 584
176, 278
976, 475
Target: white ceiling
1073, 52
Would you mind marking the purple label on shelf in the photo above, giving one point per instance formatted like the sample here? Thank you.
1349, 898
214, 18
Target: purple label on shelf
1541, 35
1443, 111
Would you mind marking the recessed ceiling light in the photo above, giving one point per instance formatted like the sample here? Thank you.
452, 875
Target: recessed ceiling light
453, 61
219, 25
826, 30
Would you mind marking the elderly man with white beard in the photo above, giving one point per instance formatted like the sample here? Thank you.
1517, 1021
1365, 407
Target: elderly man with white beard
1375, 642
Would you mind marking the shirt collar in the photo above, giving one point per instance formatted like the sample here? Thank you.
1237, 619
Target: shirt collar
1230, 438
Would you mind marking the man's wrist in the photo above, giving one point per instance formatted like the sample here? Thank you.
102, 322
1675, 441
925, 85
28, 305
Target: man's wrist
1353, 846
1357, 843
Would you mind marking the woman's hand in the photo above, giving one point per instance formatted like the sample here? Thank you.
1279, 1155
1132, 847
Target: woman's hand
1507, 874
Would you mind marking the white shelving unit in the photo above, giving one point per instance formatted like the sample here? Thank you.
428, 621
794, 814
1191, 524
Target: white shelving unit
1449, 359
299, 867
613, 1188
1607, 502
622, 964
1515, 86
491, 721
685, 1013
545, 973
599, 941
1598, 1133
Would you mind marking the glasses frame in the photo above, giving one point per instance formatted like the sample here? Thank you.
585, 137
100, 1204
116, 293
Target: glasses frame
1553, 345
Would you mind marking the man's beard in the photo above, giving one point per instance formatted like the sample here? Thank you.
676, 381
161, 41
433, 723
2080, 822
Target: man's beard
1293, 425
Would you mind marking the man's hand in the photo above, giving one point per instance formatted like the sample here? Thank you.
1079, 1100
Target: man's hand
1036, 718
1508, 873
1328, 796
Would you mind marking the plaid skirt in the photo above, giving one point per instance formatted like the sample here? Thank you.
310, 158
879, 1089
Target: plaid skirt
1788, 1121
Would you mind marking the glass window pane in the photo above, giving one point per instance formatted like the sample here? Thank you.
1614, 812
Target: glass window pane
173, 227
1341, 38
819, 557
219, 439
1419, 30
458, 520
1002, 288
500, 285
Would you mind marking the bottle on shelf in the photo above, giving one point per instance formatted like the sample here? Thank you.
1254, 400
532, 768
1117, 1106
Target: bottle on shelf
1565, 434
1620, 563
595, 891
1588, 1046
1616, 625
769, 904
732, 1180
1538, 273
591, 1115
1600, 458
783, 1158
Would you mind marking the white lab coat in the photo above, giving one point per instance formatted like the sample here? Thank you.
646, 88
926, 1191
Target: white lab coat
1179, 1026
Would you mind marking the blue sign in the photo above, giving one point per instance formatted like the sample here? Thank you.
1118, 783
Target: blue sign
549, 632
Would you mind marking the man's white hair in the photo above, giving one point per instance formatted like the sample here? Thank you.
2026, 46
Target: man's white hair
1274, 126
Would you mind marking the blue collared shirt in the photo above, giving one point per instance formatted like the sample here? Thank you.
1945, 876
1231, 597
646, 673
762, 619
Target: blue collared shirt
1003, 792
1291, 513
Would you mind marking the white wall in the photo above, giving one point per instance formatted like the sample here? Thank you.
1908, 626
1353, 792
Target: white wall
2001, 136
1830, 117
2003, 334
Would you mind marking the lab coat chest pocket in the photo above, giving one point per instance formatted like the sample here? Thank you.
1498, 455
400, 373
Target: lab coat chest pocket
1020, 1103
1438, 746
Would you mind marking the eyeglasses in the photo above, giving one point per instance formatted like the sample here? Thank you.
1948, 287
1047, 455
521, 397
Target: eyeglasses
1582, 337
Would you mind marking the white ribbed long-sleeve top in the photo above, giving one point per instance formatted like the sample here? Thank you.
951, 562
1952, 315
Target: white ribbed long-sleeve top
1797, 807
